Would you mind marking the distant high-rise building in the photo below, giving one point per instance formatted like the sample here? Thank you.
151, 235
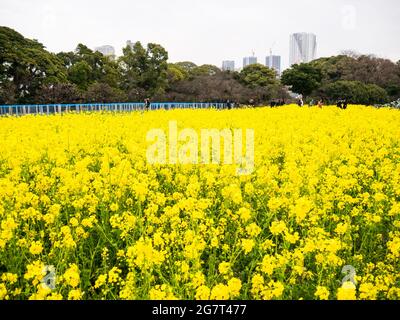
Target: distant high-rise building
303, 48
249, 60
108, 51
274, 62
228, 65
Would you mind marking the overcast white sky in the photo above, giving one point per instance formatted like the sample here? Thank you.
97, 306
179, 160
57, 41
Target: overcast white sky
209, 31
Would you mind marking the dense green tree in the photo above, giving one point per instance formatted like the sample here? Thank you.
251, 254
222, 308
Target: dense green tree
176, 73
104, 93
302, 78
257, 75
111, 75
188, 66
205, 70
25, 66
376, 94
334, 68
81, 74
86, 66
68, 59
354, 92
146, 69
393, 90
133, 65
367, 69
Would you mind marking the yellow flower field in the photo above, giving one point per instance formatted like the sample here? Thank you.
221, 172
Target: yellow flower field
78, 197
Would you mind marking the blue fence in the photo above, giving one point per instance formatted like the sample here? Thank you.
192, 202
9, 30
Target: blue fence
111, 107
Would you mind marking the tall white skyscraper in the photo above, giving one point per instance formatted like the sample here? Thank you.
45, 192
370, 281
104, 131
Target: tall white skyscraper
249, 60
274, 62
228, 65
303, 48
108, 51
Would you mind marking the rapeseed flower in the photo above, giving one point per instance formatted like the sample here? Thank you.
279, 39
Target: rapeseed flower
323, 194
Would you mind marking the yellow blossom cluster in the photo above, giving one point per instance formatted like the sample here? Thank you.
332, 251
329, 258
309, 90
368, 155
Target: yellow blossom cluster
77, 193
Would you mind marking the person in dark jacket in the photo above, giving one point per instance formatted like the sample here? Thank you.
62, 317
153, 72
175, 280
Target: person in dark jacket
147, 104
344, 104
300, 102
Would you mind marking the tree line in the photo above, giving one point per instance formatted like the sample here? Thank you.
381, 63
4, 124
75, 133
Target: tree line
29, 74
363, 79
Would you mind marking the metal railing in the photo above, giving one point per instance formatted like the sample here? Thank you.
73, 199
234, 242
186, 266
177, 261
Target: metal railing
43, 109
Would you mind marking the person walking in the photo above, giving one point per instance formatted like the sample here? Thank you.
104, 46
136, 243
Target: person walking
344, 104
320, 104
300, 102
147, 104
